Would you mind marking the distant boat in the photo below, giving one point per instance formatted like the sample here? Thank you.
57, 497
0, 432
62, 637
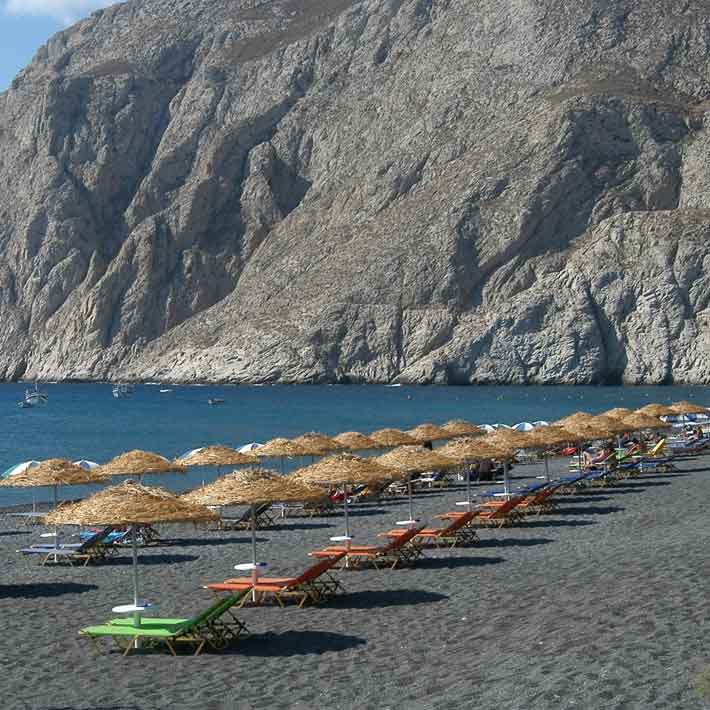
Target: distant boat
33, 398
164, 391
122, 390
215, 400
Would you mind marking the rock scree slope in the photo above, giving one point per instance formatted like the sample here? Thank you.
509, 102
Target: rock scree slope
445, 191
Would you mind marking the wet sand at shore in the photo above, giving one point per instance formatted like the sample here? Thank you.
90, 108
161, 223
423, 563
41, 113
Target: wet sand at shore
601, 604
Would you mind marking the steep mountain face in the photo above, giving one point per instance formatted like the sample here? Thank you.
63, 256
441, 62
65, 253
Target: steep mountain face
412, 190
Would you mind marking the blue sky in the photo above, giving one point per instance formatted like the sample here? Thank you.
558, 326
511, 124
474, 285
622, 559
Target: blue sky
25, 25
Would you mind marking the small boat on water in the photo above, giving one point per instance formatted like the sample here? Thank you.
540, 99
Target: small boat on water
164, 391
33, 398
215, 400
122, 390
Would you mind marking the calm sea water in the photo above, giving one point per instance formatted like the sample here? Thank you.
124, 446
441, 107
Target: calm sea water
85, 421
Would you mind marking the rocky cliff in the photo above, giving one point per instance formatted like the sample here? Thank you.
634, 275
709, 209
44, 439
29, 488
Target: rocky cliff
330, 190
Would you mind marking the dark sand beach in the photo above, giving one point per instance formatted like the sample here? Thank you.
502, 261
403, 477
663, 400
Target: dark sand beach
600, 605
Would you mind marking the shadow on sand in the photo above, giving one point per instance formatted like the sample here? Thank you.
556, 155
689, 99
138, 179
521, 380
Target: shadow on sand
380, 598
209, 541
514, 542
40, 591
589, 510
543, 523
295, 643
454, 562
144, 560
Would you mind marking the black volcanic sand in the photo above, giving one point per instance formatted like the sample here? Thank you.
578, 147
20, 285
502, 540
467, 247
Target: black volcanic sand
602, 605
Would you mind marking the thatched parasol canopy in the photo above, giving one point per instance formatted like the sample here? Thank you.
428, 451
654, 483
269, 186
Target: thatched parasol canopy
460, 427
252, 487
465, 450
130, 503
315, 444
139, 463
508, 437
657, 410
638, 421
618, 412
551, 436
680, 408
54, 472
573, 420
392, 437
280, 447
587, 432
217, 456
345, 468
415, 459
610, 424
428, 432
355, 441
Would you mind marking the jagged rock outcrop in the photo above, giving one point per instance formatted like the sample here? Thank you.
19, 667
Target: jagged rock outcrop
410, 190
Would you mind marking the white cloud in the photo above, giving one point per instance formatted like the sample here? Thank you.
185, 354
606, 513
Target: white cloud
66, 11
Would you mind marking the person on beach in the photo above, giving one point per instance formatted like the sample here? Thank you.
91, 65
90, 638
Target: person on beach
591, 459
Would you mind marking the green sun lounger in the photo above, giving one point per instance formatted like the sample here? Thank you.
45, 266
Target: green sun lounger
217, 626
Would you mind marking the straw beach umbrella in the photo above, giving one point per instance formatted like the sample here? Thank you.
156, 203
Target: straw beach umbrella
281, 448
639, 421
618, 412
216, 456
253, 487
550, 436
355, 441
460, 427
345, 470
428, 432
414, 459
657, 410
130, 503
316, 444
389, 438
140, 463
466, 451
54, 473
611, 424
681, 408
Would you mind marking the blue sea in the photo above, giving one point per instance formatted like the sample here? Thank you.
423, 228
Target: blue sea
86, 421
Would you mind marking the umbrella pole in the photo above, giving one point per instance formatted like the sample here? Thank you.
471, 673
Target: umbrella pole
345, 507
409, 493
56, 532
347, 521
255, 571
134, 549
547, 468
468, 486
505, 479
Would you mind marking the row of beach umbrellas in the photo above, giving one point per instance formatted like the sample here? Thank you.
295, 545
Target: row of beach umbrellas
133, 504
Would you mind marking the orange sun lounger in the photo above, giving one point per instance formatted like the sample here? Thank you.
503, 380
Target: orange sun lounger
457, 531
315, 584
402, 548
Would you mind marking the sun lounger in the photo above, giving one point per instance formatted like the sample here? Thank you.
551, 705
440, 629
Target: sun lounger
535, 500
244, 521
90, 549
403, 548
315, 584
209, 627
456, 532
